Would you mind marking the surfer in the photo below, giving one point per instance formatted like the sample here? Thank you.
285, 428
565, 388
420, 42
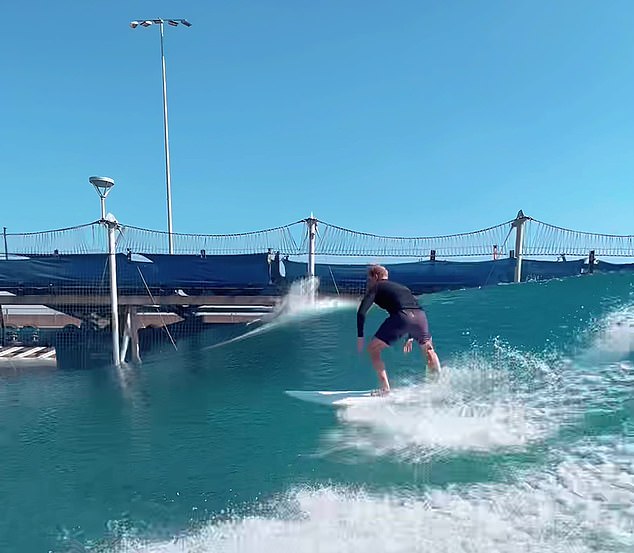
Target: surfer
406, 317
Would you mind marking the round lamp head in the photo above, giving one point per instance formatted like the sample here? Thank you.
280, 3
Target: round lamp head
102, 185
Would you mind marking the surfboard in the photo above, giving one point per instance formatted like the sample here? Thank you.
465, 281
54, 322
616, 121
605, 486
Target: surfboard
335, 397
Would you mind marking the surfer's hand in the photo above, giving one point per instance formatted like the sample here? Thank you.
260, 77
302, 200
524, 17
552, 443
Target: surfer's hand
359, 345
407, 348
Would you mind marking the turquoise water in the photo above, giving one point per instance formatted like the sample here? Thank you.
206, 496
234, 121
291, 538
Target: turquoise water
525, 442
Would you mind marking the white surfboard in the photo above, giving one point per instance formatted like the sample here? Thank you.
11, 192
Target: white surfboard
336, 397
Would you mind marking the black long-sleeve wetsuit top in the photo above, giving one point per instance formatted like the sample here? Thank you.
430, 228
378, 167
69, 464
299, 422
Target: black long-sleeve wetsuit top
388, 295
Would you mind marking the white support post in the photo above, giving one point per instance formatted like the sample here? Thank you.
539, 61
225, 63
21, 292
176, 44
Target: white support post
134, 322
112, 225
131, 336
312, 233
125, 340
519, 223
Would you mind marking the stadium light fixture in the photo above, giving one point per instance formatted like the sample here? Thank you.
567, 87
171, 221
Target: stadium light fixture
161, 23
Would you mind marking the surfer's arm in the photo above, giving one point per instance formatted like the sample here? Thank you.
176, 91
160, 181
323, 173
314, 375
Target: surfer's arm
366, 303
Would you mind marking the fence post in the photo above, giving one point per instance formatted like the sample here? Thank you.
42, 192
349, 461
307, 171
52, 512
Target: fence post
518, 223
6, 250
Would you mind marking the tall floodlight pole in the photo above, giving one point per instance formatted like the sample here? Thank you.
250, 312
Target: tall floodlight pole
161, 23
103, 185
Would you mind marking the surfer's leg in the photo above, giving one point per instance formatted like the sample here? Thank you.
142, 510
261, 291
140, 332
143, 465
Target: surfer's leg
419, 330
392, 329
375, 348
430, 353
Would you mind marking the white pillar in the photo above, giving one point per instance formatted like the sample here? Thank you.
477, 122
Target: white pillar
134, 335
312, 234
312, 280
519, 223
125, 340
131, 336
112, 225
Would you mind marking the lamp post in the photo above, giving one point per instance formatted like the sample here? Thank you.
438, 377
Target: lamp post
103, 185
161, 23
519, 223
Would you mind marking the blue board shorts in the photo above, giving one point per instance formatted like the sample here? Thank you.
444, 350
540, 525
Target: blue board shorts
412, 322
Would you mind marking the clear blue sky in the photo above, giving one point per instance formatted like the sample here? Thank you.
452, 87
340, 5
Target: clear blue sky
406, 117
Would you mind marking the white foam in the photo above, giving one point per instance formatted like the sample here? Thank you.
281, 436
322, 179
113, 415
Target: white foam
602, 374
480, 402
575, 507
422, 420
502, 399
299, 304
614, 338
302, 301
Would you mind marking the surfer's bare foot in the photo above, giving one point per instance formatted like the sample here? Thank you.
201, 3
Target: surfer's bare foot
433, 375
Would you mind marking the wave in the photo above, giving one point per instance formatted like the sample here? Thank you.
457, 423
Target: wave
575, 506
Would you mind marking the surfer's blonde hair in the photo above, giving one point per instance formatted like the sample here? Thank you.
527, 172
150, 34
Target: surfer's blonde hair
377, 271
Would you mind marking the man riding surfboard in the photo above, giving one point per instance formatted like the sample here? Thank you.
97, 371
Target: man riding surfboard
406, 317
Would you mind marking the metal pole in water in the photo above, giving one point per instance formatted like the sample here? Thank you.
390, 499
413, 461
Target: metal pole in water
6, 250
112, 225
519, 222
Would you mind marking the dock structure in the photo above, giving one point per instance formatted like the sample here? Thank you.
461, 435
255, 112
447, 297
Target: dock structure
123, 281
138, 312
212, 314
